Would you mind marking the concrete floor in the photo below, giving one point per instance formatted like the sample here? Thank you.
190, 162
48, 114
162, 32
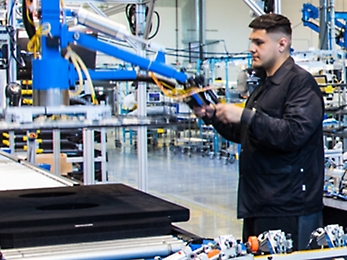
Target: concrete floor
206, 186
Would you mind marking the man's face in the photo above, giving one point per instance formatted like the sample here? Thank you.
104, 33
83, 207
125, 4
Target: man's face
264, 49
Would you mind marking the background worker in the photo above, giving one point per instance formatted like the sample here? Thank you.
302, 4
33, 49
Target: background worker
280, 130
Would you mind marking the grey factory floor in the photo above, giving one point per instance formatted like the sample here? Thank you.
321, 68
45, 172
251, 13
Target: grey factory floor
208, 187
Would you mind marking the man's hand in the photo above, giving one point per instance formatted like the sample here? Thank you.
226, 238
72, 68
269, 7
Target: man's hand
228, 113
203, 111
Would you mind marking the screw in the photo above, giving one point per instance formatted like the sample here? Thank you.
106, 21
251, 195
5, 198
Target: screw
76, 35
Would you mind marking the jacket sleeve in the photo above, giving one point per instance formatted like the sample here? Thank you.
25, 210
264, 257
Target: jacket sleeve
302, 115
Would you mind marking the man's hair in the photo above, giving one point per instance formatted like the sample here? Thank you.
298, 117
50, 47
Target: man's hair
272, 23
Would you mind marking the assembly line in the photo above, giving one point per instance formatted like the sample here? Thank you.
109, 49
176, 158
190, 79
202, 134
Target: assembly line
79, 90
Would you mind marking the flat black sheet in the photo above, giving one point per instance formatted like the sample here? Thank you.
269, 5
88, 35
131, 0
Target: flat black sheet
83, 213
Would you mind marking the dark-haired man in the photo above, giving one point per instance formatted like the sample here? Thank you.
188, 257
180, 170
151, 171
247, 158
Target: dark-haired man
280, 131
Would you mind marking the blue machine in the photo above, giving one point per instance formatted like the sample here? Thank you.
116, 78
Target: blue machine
53, 75
311, 13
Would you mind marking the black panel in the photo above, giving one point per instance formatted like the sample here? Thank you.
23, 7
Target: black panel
335, 212
38, 217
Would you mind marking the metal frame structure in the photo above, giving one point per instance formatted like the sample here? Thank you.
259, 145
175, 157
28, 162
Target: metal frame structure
335, 20
54, 91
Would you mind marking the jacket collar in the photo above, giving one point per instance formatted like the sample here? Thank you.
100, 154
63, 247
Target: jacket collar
277, 78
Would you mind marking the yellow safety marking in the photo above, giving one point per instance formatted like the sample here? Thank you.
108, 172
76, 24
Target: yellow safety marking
329, 90
27, 101
27, 91
160, 131
7, 135
38, 150
27, 82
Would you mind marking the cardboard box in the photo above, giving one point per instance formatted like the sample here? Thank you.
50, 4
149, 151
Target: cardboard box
48, 158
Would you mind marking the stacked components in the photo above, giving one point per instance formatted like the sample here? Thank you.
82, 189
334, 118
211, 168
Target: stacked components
223, 247
331, 236
272, 242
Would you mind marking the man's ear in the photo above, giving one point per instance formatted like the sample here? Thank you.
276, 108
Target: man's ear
283, 44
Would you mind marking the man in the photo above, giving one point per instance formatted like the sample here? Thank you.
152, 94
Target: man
280, 130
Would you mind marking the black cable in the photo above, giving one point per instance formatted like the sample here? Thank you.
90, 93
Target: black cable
29, 28
130, 13
297, 25
12, 44
269, 6
157, 28
212, 53
341, 182
4, 59
174, 52
79, 101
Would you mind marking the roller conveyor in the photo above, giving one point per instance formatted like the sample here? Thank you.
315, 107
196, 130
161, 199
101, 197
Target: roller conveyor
133, 248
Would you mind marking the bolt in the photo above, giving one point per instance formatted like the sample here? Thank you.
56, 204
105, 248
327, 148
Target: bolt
76, 35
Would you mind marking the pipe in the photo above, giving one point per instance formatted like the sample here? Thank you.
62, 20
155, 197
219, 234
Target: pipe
12, 48
176, 15
88, 157
112, 28
102, 24
124, 249
323, 25
202, 28
149, 19
278, 7
97, 10
254, 7
56, 152
332, 26
142, 105
197, 24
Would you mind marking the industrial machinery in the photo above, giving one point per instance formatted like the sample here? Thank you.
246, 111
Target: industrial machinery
223, 247
53, 42
275, 242
91, 210
330, 236
52, 86
336, 22
58, 37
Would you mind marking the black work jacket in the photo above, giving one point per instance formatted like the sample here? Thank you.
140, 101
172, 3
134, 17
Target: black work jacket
282, 157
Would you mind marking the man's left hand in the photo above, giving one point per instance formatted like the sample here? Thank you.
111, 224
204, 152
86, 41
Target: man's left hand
229, 113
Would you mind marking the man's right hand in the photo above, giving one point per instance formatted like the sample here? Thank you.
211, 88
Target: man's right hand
207, 110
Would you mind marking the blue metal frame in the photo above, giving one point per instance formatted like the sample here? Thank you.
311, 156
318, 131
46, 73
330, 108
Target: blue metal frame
310, 12
90, 42
53, 71
47, 70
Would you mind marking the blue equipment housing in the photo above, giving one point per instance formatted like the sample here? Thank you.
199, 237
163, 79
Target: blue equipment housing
311, 12
52, 71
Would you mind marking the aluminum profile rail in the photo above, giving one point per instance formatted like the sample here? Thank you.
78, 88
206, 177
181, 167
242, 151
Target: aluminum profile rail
95, 124
114, 249
108, 1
